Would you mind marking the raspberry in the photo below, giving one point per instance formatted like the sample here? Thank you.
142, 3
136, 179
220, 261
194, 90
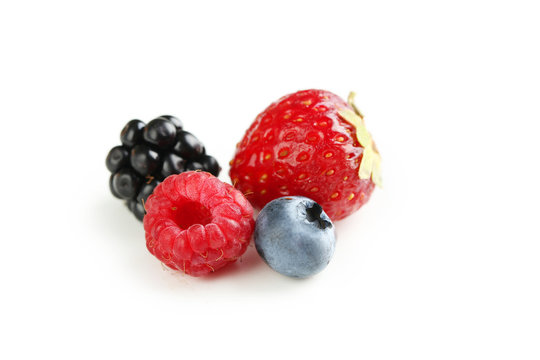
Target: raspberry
148, 154
197, 224
310, 143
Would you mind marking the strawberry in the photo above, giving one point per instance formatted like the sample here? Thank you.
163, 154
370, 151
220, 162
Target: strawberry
311, 143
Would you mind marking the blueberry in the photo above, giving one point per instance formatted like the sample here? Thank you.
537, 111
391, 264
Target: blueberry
125, 183
144, 160
132, 133
210, 164
161, 133
117, 158
176, 121
172, 164
188, 146
294, 236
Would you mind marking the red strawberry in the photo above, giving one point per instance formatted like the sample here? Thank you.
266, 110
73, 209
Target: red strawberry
310, 143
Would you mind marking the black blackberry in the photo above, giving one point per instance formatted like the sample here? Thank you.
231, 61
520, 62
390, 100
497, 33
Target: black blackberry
148, 154
188, 146
160, 132
132, 133
118, 158
144, 160
172, 164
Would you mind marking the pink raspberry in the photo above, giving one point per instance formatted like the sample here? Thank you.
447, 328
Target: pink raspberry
197, 224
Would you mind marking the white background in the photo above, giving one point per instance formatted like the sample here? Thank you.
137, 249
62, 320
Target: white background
443, 263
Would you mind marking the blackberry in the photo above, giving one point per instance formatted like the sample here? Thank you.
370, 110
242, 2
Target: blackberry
132, 133
176, 121
160, 132
150, 153
194, 165
187, 145
172, 164
118, 158
144, 160
125, 183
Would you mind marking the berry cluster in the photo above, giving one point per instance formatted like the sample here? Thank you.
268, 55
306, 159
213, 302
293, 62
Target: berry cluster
150, 153
305, 161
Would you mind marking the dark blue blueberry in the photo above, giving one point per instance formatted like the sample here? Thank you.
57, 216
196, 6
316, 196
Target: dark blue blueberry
294, 236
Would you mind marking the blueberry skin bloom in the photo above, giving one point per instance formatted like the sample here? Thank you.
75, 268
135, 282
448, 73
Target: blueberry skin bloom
294, 236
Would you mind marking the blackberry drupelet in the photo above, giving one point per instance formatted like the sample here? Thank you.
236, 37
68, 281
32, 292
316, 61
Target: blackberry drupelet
150, 153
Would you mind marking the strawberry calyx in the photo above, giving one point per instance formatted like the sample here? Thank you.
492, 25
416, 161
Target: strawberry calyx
370, 166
